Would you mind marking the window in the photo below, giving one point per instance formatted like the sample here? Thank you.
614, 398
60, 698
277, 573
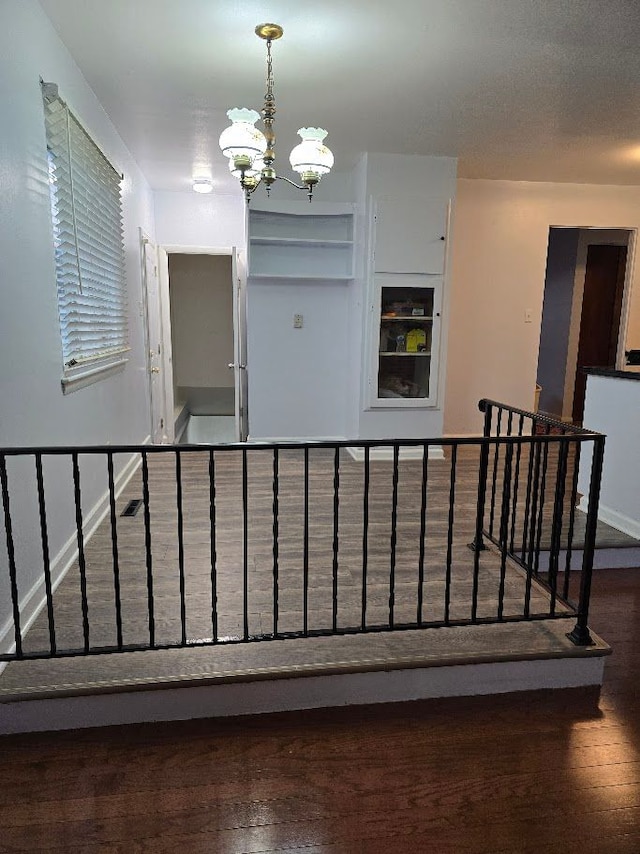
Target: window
86, 208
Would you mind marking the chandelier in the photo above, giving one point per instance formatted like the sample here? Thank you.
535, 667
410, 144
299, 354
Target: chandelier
251, 151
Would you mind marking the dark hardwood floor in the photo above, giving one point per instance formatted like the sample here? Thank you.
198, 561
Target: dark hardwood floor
521, 773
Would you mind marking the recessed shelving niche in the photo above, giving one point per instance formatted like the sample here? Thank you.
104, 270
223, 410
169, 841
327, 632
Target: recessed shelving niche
295, 246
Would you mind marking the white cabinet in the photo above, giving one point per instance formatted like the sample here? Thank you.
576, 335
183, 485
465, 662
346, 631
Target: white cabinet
410, 235
301, 245
404, 341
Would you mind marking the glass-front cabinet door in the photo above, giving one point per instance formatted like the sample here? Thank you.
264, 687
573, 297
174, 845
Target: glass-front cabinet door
406, 314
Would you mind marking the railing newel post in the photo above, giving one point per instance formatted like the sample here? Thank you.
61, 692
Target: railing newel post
580, 634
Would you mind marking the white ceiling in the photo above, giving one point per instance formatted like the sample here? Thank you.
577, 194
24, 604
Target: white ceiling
541, 90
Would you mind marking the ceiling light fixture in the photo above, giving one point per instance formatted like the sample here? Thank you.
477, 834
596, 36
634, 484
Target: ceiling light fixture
202, 185
251, 152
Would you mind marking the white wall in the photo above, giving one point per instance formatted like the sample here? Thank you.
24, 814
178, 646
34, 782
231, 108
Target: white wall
191, 219
201, 320
34, 410
612, 406
298, 377
498, 269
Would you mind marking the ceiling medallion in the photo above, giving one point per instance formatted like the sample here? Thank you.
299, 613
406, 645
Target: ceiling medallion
251, 151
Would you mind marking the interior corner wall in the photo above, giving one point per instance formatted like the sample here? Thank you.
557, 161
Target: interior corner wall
35, 411
498, 269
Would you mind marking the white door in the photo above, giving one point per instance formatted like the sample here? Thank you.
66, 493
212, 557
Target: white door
153, 324
239, 273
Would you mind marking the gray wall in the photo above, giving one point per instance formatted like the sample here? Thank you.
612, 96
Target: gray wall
556, 317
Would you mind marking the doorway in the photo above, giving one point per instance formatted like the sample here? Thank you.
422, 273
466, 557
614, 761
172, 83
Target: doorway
583, 316
201, 306
600, 316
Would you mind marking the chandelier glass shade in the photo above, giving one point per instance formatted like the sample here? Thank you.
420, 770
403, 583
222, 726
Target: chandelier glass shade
242, 138
251, 152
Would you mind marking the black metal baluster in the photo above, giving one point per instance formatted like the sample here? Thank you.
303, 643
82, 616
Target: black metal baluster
305, 547
423, 530
275, 541
527, 506
336, 504
504, 525
11, 556
535, 460
245, 545
536, 503
556, 526
516, 484
494, 478
478, 545
394, 536
183, 604
543, 487
572, 520
510, 424
365, 534
82, 564
147, 547
452, 498
213, 548
46, 560
114, 549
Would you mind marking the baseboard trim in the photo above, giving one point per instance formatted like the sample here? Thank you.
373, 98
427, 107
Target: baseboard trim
617, 520
35, 600
385, 454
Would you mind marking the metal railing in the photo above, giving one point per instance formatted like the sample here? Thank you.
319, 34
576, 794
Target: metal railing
260, 542
548, 467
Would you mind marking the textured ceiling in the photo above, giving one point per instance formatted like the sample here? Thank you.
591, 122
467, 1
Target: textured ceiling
541, 90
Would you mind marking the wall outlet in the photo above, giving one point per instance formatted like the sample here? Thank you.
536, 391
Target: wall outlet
528, 315
297, 321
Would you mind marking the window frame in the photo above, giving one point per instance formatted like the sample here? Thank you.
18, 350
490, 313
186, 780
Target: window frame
88, 244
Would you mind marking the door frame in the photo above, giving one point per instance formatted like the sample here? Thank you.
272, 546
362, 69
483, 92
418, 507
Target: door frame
576, 312
238, 319
157, 395
576, 306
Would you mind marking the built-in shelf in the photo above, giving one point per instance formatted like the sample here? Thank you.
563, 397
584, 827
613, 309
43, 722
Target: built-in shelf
301, 245
274, 277
299, 241
403, 341
403, 353
406, 317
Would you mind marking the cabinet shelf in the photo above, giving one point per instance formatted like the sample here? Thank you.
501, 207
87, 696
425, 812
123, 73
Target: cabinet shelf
405, 317
299, 241
403, 353
291, 277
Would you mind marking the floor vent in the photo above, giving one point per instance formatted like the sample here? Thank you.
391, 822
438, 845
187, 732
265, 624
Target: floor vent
132, 507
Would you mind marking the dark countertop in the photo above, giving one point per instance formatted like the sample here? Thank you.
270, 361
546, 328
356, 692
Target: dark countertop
610, 372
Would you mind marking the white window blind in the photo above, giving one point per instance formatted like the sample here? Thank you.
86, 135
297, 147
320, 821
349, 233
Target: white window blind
86, 209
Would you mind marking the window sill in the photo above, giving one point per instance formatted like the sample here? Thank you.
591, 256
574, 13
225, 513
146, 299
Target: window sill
84, 376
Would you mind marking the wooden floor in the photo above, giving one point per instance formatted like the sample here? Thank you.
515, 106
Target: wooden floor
504, 775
